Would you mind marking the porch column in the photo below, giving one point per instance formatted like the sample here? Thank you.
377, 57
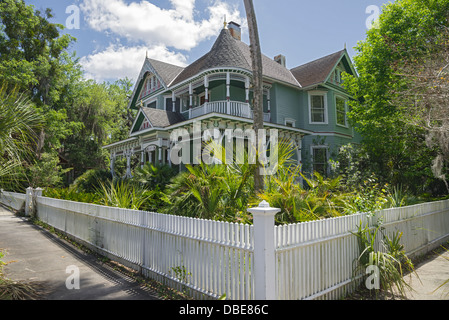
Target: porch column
142, 159
206, 86
150, 156
299, 156
159, 151
168, 155
228, 92
247, 85
191, 100
269, 100
113, 157
173, 98
129, 154
298, 150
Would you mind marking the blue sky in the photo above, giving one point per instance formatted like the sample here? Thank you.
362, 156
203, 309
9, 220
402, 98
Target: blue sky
114, 35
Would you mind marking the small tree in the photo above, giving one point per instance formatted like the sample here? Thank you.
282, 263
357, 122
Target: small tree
423, 94
47, 172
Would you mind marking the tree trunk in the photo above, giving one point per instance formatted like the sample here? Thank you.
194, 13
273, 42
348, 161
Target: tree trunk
256, 58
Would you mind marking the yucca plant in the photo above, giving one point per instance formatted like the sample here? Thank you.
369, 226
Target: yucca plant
387, 256
123, 194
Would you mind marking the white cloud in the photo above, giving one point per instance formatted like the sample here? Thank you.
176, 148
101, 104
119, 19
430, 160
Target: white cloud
149, 28
148, 23
117, 61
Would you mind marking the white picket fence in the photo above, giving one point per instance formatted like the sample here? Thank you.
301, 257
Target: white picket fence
210, 258
316, 259
311, 260
13, 200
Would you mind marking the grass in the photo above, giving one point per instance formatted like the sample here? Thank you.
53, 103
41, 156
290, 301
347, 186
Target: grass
15, 290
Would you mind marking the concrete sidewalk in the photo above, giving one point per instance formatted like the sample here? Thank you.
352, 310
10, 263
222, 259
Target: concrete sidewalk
33, 254
432, 273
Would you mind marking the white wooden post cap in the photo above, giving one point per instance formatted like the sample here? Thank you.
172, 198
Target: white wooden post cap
264, 209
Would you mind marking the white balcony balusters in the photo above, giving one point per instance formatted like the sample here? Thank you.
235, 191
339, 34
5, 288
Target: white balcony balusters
232, 108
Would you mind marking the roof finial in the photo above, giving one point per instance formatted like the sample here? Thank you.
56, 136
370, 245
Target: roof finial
147, 54
225, 23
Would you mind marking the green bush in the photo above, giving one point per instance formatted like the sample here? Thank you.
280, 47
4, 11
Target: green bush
154, 176
71, 194
91, 180
390, 259
124, 194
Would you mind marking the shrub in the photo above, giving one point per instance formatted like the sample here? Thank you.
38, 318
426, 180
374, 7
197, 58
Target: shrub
71, 194
154, 176
91, 180
389, 259
123, 194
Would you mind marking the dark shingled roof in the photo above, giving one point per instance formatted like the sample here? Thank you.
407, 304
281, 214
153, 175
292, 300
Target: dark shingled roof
166, 71
161, 118
232, 53
317, 71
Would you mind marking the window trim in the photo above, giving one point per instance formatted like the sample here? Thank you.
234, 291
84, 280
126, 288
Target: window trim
326, 148
150, 101
291, 121
326, 116
346, 125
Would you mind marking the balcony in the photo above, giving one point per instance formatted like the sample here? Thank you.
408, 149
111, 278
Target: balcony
233, 108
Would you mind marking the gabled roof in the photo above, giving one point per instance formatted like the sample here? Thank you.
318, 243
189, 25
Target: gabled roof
166, 71
156, 117
161, 118
227, 52
317, 71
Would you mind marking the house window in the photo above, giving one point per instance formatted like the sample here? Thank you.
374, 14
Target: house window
290, 123
152, 105
320, 159
203, 98
341, 111
318, 108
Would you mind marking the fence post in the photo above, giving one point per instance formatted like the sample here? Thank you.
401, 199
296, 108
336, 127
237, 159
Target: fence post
264, 251
36, 193
28, 201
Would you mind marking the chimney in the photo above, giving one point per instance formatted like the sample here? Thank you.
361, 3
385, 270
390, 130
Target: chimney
235, 30
281, 60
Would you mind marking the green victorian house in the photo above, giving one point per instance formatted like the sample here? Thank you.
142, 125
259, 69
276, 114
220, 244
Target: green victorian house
307, 104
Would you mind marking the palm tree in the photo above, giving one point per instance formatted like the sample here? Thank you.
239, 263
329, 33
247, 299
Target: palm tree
18, 124
256, 57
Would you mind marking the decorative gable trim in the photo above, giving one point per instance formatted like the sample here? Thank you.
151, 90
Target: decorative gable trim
345, 55
141, 84
140, 123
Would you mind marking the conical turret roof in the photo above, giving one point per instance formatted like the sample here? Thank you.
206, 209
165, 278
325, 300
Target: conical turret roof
227, 52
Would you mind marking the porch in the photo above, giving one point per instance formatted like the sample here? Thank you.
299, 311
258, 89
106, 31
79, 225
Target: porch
233, 108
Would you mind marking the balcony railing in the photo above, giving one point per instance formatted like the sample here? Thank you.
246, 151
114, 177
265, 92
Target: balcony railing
233, 108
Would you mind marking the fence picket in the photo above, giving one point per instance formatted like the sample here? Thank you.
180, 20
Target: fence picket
313, 259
